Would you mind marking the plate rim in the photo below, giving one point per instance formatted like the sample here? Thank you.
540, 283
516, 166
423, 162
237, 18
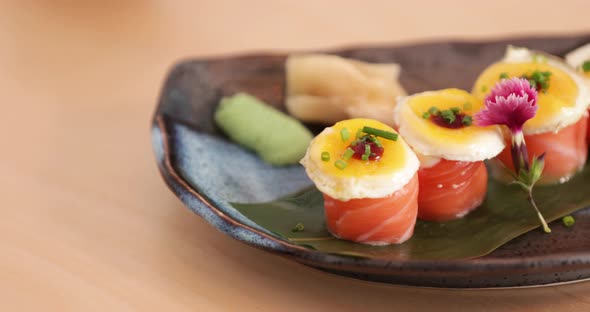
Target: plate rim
549, 263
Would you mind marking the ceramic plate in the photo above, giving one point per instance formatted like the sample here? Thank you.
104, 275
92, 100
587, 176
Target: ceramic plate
207, 172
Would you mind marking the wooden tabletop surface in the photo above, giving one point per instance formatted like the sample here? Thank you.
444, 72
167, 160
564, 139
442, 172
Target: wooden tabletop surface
88, 224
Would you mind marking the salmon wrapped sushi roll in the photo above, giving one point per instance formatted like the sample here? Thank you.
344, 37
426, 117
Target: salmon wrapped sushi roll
438, 125
368, 175
579, 59
559, 129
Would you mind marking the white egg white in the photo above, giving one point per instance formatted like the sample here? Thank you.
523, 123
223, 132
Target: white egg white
427, 161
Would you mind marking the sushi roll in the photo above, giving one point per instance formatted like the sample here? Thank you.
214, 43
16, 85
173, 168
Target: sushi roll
438, 125
368, 176
579, 59
559, 128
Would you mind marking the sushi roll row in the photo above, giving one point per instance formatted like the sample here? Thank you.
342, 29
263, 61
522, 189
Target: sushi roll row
377, 180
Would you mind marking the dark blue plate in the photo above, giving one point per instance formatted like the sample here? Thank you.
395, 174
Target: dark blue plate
207, 172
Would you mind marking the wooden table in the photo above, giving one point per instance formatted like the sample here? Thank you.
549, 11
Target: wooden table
88, 224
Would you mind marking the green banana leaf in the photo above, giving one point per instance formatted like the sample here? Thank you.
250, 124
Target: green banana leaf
504, 215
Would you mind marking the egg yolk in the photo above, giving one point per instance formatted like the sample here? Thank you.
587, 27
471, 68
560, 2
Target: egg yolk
330, 141
443, 100
561, 93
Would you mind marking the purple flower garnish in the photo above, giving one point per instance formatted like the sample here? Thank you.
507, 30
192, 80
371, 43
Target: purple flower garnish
511, 103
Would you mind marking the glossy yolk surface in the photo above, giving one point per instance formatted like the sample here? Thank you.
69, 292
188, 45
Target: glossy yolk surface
444, 99
393, 159
562, 91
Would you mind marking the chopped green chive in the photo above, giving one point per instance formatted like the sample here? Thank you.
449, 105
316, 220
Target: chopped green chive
467, 106
448, 116
367, 149
360, 139
426, 115
539, 79
325, 156
375, 140
484, 88
467, 120
299, 227
433, 111
348, 154
586, 66
365, 157
344, 134
340, 164
504, 76
455, 110
381, 133
568, 221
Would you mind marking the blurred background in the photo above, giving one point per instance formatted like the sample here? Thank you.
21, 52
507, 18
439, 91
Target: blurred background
87, 221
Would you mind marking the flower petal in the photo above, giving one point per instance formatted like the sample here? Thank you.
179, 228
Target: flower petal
511, 103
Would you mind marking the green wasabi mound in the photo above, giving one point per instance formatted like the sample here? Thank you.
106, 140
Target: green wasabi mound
276, 137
